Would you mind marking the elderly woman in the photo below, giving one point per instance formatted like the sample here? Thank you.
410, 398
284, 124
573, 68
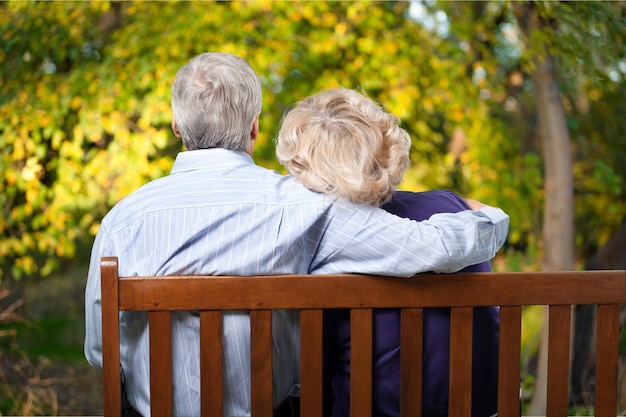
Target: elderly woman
341, 143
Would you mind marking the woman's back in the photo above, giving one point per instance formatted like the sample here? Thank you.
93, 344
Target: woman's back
386, 350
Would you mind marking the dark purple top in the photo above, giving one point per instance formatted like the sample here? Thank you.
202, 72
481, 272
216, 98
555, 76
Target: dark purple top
436, 349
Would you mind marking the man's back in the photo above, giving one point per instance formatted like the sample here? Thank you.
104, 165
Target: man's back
220, 208
213, 216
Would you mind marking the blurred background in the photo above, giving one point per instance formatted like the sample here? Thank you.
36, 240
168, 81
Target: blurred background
520, 105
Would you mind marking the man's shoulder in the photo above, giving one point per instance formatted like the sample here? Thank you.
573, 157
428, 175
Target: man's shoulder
261, 186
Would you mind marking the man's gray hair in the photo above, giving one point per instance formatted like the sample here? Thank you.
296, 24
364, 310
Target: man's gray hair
216, 99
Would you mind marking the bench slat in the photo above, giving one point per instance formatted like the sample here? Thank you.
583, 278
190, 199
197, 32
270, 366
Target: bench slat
311, 354
360, 362
112, 389
411, 350
509, 361
460, 402
261, 362
606, 357
559, 326
160, 363
211, 377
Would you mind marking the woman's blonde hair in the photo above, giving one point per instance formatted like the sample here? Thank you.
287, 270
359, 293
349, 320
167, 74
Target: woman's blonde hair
342, 143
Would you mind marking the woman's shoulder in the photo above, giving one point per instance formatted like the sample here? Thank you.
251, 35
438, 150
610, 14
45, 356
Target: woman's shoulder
422, 205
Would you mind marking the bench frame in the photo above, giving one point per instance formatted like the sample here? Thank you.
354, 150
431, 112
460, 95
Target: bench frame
361, 293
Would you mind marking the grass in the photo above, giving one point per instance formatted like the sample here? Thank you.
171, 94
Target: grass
50, 337
42, 367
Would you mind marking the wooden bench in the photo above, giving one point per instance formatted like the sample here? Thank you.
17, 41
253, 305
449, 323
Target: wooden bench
313, 293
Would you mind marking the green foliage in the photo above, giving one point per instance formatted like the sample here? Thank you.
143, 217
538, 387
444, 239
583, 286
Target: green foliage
601, 179
85, 92
587, 41
587, 38
72, 125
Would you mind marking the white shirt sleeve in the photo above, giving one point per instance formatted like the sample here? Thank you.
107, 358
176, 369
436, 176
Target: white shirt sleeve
390, 245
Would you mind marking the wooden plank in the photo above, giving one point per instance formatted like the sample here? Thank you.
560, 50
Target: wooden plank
509, 370
461, 324
211, 376
311, 356
426, 290
111, 390
261, 362
411, 352
607, 360
559, 322
160, 363
360, 362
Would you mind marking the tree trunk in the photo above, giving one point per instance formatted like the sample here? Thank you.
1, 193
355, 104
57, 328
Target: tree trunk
558, 219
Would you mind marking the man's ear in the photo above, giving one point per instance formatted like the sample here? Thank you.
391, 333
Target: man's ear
254, 133
175, 128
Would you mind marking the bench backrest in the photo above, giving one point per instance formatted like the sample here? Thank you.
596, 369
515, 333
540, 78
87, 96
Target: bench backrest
311, 294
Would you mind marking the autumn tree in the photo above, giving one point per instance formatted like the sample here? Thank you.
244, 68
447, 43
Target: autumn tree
85, 116
86, 89
555, 50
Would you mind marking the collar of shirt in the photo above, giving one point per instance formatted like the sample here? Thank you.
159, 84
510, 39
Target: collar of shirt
204, 158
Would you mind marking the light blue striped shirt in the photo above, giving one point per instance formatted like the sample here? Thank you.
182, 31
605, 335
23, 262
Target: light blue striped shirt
218, 213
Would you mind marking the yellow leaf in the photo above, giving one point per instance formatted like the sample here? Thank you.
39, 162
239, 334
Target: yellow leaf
457, 115
341, 28
79, 134
32, 169
93, 230
18, 149
31, 195
57, 138
76, 102
11, 177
